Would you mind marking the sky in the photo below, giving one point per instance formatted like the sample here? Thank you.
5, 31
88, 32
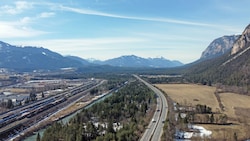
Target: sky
105, 29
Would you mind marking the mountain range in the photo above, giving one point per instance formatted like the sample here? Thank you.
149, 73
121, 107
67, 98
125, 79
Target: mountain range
135, 61
37, 58
226, 60
32, 58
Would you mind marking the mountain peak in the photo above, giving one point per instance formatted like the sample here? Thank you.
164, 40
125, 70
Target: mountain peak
242, 42
219, 46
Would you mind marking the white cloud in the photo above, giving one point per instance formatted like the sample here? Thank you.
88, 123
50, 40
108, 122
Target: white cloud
46, 14
19, 7
12, 30
81, 46
28, 20
23, 5
100, 48
69, 44
25, 20
21, 28
166, 20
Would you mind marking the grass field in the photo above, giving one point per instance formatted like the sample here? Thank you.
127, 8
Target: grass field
191, 94
237, 107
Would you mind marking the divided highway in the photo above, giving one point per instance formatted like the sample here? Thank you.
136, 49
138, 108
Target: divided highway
155, 127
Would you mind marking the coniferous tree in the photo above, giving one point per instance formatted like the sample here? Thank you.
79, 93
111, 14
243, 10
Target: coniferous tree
38, 138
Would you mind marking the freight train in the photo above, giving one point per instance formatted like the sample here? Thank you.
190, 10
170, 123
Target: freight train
30, 111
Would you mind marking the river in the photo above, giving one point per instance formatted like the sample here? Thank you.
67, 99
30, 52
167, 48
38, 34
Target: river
67, 118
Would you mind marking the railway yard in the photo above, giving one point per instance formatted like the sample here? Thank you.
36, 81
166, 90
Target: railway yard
13, 122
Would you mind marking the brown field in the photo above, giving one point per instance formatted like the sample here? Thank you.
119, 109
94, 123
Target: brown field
226, 132
237, 107
191, 94
16, 90
4, 77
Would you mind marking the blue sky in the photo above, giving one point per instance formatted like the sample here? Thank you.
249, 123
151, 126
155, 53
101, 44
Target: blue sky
104, 29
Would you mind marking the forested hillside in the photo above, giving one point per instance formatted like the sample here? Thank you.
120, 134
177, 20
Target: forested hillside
229, 69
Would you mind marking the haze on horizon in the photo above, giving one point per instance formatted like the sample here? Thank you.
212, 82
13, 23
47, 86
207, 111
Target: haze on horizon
104, 29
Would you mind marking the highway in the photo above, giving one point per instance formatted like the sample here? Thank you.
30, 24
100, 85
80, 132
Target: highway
155, 127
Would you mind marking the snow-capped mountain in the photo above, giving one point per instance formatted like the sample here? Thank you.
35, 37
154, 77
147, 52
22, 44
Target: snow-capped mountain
135, 61
32, 58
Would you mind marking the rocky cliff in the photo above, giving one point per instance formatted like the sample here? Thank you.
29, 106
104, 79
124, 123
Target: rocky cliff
242, 42
219, 46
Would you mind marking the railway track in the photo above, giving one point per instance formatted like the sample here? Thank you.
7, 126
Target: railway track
14, 122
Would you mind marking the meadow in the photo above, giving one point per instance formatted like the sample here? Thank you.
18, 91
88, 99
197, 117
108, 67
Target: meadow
236, 107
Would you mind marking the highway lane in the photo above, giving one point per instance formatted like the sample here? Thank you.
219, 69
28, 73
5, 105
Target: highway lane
164, 110
151, 127
155, 128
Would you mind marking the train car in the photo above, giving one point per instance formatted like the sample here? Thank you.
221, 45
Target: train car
59, 101
40, 107
8, 119
41, 104
2, 123
23, 115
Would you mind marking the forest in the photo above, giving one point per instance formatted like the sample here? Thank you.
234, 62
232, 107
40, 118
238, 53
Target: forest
122, 116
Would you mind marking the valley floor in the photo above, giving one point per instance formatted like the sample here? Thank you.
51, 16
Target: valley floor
234, 107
